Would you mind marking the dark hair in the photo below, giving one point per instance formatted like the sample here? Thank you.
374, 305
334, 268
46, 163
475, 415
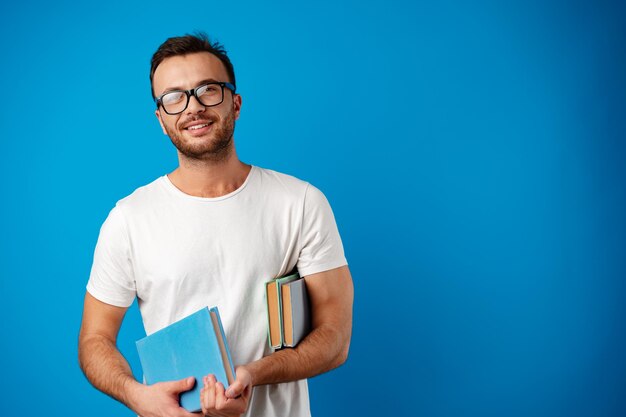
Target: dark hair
189, 44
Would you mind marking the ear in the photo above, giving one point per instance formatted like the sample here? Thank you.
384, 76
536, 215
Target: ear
157, 113
237, 105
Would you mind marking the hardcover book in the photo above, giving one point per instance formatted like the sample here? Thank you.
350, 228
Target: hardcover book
193, 346
296, 312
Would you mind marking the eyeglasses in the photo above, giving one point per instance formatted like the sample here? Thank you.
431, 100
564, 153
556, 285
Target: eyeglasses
209, 94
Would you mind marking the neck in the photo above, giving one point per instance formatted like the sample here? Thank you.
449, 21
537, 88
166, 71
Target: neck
209, 177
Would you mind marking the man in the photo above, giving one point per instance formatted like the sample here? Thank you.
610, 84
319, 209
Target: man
211, 233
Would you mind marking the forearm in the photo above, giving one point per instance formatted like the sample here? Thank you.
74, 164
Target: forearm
105, 367
325, 348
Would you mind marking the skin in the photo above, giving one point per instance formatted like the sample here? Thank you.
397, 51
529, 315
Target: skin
209, 167
208, 163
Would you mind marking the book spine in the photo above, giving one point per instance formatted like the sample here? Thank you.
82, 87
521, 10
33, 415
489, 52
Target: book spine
221, 329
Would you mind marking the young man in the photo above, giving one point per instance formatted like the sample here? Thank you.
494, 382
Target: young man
211, 233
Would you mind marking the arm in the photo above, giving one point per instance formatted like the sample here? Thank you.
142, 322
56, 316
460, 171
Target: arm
101, 362
105, 367
331, 294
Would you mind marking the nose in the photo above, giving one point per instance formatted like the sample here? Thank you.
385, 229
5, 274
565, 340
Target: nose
194, 105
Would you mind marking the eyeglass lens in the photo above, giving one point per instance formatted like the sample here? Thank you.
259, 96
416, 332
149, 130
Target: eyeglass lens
176, 101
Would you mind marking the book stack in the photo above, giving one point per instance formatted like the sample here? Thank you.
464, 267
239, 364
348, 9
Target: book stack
288, 311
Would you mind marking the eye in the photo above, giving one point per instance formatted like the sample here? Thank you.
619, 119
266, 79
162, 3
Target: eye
172, 98
209, 90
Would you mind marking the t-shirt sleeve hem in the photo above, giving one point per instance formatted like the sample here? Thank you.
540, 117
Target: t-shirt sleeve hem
314, 269
117, 302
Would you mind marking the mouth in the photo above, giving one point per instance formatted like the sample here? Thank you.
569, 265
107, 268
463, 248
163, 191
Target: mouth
199, 127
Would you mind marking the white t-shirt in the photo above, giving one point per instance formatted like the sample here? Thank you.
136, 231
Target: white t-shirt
178, 253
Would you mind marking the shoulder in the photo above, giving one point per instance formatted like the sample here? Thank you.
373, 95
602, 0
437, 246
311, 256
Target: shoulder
143, 197
277, 182
290, 186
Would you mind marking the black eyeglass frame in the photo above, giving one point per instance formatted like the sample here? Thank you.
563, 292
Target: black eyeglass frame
194, 92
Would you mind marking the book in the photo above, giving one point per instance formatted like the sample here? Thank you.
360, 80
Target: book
296, 318
288, 311
193, 346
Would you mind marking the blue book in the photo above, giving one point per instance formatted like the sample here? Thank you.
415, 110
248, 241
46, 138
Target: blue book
296, 311
193, 346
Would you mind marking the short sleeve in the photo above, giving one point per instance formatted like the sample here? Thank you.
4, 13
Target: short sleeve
321, 248
112, 280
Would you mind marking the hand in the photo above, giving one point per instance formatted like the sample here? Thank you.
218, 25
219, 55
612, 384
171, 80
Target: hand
216, 403
161, 399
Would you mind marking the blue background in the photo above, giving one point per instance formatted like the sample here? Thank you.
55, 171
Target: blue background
473, 153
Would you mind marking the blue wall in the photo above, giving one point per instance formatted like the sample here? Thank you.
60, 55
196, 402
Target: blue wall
473, 153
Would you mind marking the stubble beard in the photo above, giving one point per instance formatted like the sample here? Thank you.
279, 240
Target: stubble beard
214, 149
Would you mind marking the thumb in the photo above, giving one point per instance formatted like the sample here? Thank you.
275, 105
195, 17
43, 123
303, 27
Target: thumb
181, 385
241, 383
235, 389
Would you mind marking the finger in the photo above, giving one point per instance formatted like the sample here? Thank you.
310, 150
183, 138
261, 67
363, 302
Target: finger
176, 387
240, 383
235, 389
203, 396
220, 398
209, 394
236, 405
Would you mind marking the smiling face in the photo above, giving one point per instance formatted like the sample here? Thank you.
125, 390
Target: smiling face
199, 132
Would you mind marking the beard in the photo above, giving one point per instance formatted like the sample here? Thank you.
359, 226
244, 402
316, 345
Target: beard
216, 147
